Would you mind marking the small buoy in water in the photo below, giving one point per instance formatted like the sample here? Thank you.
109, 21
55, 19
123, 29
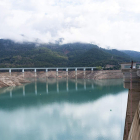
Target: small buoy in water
40, 94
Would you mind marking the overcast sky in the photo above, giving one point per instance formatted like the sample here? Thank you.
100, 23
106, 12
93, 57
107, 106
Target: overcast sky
107, 23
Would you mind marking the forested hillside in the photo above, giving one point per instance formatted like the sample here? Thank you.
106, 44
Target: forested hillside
133, 54
54, 55
28, 55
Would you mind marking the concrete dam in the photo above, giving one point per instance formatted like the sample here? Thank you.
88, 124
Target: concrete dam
131, 79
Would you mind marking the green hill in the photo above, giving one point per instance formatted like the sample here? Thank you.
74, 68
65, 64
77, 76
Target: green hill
98, 57
28, 55
54, 55
118, 54
134, 55
72, 50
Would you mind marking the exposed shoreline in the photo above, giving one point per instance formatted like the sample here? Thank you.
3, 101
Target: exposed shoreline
18, 78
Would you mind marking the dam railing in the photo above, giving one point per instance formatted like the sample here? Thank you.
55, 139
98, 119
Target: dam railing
50, 68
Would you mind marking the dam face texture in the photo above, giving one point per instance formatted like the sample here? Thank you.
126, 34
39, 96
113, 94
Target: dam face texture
131, 78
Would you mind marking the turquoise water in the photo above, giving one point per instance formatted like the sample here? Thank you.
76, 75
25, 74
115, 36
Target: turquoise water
62, 109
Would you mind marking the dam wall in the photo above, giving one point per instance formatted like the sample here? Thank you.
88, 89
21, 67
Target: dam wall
132, 105
131, 79
134, 133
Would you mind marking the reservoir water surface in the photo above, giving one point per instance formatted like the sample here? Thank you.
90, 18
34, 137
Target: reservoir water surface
63, 109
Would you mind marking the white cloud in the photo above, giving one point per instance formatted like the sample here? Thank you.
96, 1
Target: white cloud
105, 22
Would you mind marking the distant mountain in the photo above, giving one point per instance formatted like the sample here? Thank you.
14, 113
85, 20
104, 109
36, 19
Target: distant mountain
118, 54
134, 55
99, 57
28, 55
54, 55
72, 50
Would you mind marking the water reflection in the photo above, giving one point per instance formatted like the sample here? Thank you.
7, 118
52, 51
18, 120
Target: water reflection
83, 110
11, 93
35, 87
60, 85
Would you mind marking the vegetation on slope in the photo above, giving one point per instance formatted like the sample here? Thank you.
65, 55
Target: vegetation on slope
27, 55
54, 55
134, 55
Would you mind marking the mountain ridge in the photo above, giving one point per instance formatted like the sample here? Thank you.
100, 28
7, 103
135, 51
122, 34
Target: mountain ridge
13, 54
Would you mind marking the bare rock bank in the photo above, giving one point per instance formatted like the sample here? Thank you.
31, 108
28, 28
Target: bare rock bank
14, 80
18, 78
96, 75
